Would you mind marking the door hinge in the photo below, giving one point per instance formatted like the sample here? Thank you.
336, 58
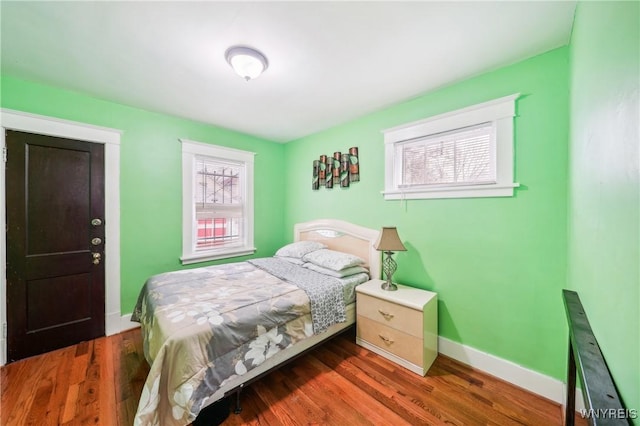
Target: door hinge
4, 153
4, 330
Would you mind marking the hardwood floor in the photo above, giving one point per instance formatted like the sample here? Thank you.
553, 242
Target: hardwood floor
99, 383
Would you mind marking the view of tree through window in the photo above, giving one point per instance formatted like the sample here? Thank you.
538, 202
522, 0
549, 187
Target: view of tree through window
461, 156
218, 202
466, 153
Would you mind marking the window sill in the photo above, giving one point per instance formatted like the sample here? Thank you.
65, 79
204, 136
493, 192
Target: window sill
189, 259
475, 191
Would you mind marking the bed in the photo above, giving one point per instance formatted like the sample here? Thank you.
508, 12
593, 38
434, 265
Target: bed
207, 332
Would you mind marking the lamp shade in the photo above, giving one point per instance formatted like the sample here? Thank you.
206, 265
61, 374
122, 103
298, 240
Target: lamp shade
247, 62
388, 240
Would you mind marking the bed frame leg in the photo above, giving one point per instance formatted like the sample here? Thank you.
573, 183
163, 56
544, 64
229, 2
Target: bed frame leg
238, 408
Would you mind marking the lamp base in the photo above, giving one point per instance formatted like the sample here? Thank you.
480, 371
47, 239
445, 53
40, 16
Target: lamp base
389, 286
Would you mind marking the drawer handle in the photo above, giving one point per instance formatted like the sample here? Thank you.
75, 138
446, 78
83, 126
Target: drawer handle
387, 340
385, 314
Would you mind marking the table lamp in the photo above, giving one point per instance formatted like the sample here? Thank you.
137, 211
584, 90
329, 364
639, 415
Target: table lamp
389, 242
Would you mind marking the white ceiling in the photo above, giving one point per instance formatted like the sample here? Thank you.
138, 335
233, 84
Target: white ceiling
329, 62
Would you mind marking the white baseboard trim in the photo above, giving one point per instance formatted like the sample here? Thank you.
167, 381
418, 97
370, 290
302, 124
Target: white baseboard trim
3, 351
518, 375
112, 323
127, 324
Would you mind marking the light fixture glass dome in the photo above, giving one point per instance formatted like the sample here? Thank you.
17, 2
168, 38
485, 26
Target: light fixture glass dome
248, 63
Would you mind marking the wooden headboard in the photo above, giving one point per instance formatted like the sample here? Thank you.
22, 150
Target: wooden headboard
343, 236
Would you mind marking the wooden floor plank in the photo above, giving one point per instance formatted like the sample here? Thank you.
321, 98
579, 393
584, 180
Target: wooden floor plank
100, 382
44, 390
108, 412
338, 387
59, 392
71, 402
408, 390
87, 409
9, 398
24, 384
275, 397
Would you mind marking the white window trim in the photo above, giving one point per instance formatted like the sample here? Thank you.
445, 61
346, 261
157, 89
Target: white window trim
191, 149
498, 111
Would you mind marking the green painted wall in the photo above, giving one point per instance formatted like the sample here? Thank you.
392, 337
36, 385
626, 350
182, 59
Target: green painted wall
604, 190
150, 176
498, 264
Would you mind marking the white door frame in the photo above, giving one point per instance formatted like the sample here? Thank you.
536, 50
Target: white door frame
21, 121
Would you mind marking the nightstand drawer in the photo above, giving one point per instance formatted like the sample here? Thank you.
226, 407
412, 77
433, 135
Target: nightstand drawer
391, 340
391, 314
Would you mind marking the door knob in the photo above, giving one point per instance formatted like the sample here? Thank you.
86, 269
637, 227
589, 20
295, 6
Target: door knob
96, 258
96, 222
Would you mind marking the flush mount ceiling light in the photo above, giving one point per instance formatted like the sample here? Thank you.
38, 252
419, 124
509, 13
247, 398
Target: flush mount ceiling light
248, 63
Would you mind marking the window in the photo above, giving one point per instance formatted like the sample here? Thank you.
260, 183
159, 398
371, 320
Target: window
217, 210
464, 153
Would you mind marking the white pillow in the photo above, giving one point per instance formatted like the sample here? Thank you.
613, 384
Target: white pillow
338, 274
294, 260
299, 249
332, 259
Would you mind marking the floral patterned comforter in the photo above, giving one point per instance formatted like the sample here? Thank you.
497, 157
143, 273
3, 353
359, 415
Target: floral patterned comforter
203, 326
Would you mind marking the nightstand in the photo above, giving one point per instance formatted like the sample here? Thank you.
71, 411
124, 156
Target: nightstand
399, 325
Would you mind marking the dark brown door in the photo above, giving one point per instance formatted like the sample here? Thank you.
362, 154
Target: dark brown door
55, 243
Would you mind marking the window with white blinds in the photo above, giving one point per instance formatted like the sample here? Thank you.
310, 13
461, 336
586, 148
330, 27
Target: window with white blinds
217, 202
464, 153
463, 156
